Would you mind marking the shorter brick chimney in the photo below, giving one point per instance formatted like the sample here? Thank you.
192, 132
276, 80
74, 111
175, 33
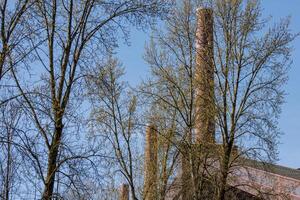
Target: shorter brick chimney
124, 192
151, 163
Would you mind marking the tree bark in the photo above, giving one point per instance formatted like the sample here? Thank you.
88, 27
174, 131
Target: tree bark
224, 174
52, 161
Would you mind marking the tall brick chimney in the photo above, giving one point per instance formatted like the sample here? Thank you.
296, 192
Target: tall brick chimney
204, 78
151, 163
204, 98
124, 192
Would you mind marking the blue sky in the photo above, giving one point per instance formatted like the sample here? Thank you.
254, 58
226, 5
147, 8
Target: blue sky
289, 148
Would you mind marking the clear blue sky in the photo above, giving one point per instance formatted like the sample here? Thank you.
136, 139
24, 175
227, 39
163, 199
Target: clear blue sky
289, 149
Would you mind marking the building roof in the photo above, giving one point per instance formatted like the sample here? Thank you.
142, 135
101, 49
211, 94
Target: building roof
274, 168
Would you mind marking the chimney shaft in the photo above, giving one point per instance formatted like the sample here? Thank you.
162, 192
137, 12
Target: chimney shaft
124, 192
151, 163
204, 77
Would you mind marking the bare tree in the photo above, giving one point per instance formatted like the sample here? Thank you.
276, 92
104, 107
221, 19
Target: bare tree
12, 31
172, 90
10, 150
70, 34
115, 119
14, 44
250, 64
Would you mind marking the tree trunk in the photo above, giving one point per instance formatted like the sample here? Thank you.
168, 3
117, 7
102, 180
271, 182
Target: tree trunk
8, 167
52, 162
224, 174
